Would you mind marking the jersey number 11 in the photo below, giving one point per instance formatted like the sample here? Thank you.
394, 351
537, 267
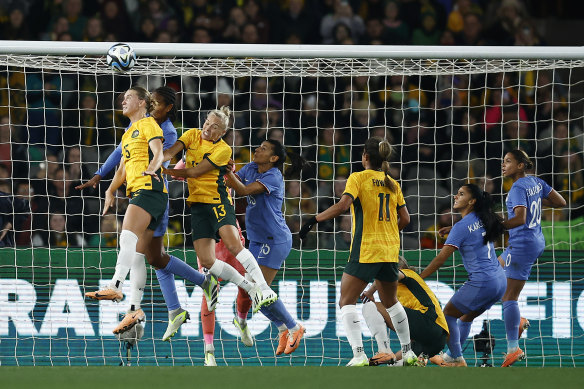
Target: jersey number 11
381, 207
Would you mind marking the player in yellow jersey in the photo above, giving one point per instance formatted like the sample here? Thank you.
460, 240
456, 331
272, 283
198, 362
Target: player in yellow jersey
140, 168
379, 213
212, 211
428, 327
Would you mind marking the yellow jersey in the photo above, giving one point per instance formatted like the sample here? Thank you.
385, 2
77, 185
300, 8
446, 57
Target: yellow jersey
137, 156
414, 293
374, 235
210, 187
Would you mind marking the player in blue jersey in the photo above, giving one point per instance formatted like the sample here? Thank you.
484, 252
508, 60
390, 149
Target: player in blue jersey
526, 241
473, 236
270, 238
164, 111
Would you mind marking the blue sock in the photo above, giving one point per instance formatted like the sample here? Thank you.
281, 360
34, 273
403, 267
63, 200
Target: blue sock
454, 348
182, 269
464, 329
166, 281
512, 317
279, 311
277, 322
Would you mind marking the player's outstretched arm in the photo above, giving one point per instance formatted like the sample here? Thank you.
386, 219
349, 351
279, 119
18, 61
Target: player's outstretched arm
111, 162
437, 262
192, 172
117, 181
331, 212
240, 188
172, 151
91, 183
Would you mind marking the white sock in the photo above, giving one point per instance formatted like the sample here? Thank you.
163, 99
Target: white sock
294, 329
377, 326
209, 348
251, 266
224, 270
282, 328
352, 325
137, 281
128, 241
399, 319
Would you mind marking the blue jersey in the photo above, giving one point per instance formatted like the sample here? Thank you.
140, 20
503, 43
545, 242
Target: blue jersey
264, 220
169, 133
479, 259
527, 192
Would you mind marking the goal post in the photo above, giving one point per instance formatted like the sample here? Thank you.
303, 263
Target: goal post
450, 112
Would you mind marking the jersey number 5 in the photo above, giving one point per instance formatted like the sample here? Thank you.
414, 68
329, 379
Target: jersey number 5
127, 151
381, 206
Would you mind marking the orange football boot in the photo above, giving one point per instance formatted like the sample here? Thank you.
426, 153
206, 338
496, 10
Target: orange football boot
282, 342
513, 357
106, 294
523, 325
130, 320
294, 340
382, 359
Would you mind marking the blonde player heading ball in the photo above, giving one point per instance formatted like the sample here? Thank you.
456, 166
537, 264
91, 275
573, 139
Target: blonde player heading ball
379, 213
212, 211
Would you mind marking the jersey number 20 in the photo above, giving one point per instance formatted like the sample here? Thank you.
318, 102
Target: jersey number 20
535, 209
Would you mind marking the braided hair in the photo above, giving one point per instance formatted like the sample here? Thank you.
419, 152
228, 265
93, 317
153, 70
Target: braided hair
483, 207
169, 96
297, 162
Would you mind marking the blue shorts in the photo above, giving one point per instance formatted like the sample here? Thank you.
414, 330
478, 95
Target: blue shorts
271, 255
518, 262
478, 296
161, 229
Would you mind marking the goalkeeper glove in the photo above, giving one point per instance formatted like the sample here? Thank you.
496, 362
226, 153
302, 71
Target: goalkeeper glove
307, 227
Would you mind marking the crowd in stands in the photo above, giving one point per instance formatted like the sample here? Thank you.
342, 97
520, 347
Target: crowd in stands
56, 127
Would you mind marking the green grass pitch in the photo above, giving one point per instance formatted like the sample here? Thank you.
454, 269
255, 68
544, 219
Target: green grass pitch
287, 377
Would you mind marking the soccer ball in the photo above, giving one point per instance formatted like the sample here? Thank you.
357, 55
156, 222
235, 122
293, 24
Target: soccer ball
121, 57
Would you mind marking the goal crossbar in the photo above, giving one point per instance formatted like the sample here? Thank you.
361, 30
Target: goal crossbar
297, 51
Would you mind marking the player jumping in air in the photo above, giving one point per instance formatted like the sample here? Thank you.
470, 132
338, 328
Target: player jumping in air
161, 106
270, 238
212, 212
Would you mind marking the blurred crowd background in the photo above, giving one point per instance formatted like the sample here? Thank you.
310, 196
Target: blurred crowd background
57, 127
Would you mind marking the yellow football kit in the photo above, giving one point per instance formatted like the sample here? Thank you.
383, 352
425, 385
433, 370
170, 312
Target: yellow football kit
375, 236
210, 187
137, 156
414, 293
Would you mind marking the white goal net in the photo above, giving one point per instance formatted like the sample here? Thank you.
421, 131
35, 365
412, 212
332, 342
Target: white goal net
451, 116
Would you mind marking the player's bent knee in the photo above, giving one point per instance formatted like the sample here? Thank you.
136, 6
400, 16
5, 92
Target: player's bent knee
206, 262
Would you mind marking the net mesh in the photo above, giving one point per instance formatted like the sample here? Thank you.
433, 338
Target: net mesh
450, 121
